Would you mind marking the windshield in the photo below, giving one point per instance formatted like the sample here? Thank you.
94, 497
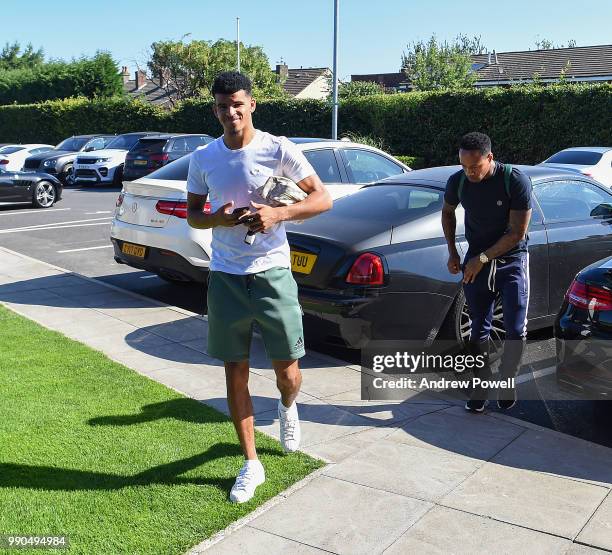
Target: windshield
73, 143
11, 149
123, 142
577, 157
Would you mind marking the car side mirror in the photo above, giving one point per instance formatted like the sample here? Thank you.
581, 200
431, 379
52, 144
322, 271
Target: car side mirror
603, 210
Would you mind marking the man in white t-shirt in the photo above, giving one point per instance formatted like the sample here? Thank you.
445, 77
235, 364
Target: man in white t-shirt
251, 283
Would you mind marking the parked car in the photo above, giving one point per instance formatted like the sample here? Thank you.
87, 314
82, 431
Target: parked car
583, 334
374, 267
154, 151
12, 157
150, 230
593, 161
106, 165
38, 189
60, 161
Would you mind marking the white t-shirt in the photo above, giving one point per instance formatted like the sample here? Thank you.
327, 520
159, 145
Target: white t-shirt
225, 175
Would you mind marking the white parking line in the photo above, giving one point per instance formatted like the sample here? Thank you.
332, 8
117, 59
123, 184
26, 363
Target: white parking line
86, 249
99, 212
57, 225
46, 211
537, 374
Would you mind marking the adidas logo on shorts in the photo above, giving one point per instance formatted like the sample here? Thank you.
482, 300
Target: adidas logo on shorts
299, 344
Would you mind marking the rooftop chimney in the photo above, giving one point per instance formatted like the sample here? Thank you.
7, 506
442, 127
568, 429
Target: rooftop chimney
282, 72
141, 78
125, 74
496, 60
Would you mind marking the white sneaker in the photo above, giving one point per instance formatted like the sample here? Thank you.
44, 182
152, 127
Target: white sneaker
289, 427
250, 476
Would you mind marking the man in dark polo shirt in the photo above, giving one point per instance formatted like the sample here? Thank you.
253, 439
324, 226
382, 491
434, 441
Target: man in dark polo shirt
497, 202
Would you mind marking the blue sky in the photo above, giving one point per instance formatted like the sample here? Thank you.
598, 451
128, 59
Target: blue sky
373, 34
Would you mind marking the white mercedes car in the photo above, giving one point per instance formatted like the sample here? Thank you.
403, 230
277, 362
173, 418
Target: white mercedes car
594, 161
150, 232
12, 157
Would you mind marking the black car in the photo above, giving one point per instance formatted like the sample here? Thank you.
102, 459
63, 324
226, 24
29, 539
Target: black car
152, 152
583, 334
374, 267
40, 189
60, 160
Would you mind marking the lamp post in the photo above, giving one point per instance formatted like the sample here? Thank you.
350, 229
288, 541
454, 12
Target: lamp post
335, 70
238, 43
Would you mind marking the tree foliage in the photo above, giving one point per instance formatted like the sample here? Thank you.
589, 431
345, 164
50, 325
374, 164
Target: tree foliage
11, 57
354, 89
93, 77
434, 65
188, 69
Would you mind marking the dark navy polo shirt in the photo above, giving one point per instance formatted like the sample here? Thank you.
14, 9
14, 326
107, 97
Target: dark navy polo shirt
487, 207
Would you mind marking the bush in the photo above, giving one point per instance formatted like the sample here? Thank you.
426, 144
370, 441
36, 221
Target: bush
413, 162
526, 123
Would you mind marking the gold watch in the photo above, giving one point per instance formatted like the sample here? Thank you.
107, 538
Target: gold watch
483, 257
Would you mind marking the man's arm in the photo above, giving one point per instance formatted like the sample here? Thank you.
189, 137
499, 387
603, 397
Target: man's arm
318, 200
449, 226
519, 222
197, 219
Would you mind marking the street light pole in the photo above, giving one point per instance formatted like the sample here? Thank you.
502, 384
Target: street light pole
238, 42
335, 76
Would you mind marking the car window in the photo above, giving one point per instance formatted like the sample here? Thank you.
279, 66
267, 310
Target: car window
191, 143
41, 149
390, 203
148, 145
569, 200
123, 142
325, 165
73, 143
175, 171
178, 144
96, 144
578, 157
364, 166
12, 149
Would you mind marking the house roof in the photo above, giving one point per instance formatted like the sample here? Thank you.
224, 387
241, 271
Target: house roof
150, 91
578, 62
298, 79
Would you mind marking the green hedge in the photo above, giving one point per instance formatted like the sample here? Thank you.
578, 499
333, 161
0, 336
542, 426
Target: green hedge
526, 123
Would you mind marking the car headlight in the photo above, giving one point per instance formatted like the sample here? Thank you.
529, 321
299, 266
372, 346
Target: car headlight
49, 163
102, 160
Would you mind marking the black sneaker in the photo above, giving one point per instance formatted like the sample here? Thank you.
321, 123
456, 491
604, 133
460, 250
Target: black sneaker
476, 405
506, 398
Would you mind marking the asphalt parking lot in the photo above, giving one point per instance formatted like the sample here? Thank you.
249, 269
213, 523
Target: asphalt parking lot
74, 235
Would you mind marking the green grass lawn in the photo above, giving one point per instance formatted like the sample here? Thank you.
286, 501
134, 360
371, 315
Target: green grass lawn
117, 462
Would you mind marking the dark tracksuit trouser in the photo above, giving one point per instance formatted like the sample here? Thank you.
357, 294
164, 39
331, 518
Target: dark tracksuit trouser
508, 277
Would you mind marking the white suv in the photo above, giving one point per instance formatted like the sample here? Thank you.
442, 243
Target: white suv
150, 231
106, 165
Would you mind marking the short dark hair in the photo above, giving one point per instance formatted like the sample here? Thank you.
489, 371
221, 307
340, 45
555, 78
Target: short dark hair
476, 141
230, 82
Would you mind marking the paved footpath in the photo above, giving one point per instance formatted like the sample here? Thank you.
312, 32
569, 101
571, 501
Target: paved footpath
419, 476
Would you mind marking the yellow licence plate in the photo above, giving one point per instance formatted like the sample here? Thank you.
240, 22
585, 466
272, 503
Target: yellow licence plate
140, 162
302, 262
133, 250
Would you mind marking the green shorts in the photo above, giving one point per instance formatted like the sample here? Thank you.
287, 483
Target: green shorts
237, 302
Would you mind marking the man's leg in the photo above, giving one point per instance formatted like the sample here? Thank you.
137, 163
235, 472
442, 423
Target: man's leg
288, 380
480, 299
514, 286
240, 405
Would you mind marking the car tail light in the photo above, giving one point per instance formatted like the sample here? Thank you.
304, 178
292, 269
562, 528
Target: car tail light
4, 161
176, 208
589, 297
119, 200
368, 269
158, 160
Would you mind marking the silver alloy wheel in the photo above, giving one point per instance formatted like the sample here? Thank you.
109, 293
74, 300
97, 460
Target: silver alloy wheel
45, 194
498, 332
69, 176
